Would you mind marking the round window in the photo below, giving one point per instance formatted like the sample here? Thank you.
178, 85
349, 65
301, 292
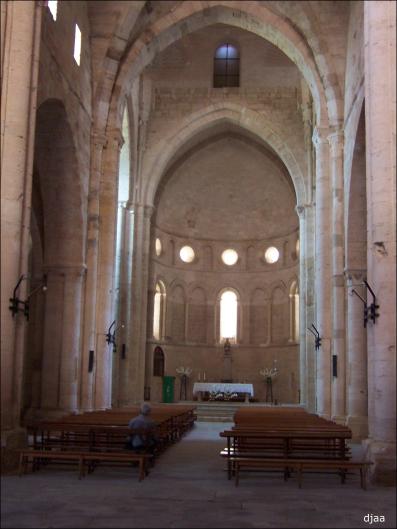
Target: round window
229, 257
187, 254
159, 247
272, 255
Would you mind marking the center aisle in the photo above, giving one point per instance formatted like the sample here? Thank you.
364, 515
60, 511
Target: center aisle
195, 456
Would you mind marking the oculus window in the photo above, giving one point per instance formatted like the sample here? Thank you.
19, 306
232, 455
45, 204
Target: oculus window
229, 257
187, 254
272, 255
226, 66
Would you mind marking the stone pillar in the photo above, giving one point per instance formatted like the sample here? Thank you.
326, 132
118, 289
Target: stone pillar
323, 271
380, 126
306, 313
105, 310
356, 365
62, 339
98, 143
21, 26
124, 308
140, 280
338, 280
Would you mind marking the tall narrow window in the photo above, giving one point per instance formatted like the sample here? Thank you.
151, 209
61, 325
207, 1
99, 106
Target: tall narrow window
226, 66
294, 312
158, 311
53, 7
228, 316
77, 44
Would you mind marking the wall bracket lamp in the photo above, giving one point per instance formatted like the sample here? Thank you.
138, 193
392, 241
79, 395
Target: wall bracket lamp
111, 336
316, 335
19, 305
370, 312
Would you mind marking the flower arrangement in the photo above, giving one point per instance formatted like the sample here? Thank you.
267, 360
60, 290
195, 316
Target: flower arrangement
184, 371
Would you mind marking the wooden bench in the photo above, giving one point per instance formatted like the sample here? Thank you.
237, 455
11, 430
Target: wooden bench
300, 465
82, 458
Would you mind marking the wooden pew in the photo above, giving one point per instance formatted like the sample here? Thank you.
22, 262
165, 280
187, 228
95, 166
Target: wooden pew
299, 465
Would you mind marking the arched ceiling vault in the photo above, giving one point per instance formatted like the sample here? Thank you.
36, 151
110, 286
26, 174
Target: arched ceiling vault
205, 123
300, 37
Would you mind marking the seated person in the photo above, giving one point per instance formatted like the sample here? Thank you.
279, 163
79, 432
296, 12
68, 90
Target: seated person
146, 441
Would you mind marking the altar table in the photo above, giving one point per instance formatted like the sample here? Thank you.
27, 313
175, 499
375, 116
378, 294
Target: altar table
223, 387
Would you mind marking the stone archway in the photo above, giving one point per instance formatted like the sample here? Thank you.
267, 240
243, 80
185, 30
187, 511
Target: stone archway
260, 20
246, 120
356, 272
61, 210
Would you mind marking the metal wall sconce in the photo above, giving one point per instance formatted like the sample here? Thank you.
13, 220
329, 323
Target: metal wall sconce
111, 336
19, 305
370, 312
316, 335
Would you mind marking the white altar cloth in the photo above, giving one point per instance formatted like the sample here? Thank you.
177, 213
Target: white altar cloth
223, 387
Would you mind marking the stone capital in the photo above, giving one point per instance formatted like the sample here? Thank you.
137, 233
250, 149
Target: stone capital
99, 139
77, 270
115, 136
301, 209
320, 136
148, 211
355, 276
336, 141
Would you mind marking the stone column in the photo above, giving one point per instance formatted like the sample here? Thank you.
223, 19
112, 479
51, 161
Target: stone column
323, 271
356, 349
124, 309
338, 280
380, 125
62, 339
105, 310
140, 280
306, 367
98, 143
21, 26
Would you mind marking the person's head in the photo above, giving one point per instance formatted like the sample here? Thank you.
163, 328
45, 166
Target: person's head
145, 408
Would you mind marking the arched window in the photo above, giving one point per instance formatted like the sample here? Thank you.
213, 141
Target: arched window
226, 66
228, 316
158, 362
158, 311
294, 312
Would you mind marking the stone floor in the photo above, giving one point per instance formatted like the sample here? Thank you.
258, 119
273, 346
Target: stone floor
188, 487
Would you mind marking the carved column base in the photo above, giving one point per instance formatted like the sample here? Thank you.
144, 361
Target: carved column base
383, 471
358, 426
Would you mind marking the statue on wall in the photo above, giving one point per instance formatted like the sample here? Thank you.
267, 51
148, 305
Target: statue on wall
227, 361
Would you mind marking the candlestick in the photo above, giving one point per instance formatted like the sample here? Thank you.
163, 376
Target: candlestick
204, 376
199, 376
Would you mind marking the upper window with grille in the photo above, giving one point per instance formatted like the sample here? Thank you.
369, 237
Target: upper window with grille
226, 66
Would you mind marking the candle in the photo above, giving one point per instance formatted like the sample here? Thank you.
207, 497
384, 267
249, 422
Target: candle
199, 376
204, 376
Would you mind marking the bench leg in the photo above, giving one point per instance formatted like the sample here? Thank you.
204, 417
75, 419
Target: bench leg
81, 467
363, 477
236, 473
141, 469
300, 476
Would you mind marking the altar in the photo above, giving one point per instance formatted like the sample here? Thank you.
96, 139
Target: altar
222, 387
